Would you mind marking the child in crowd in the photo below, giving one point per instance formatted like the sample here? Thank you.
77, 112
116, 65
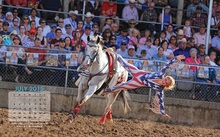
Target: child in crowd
133, 41
187, 29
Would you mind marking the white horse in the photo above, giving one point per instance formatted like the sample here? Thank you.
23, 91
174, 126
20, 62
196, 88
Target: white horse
97, 63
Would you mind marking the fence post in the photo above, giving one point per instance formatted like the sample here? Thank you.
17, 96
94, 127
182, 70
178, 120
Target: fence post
208, 27
162, 23
66, 80
149, 96
84, 7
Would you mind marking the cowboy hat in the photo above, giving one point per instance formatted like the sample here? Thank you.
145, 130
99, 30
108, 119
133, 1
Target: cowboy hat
73, 12
89, 15
180, 32
132, 1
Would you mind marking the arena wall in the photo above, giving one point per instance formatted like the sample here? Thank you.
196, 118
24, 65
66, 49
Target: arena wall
190, 112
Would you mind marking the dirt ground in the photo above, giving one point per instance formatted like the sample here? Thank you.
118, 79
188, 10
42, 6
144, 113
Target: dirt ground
89, 126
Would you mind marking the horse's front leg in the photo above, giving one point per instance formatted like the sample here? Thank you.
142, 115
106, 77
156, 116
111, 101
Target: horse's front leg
82, 88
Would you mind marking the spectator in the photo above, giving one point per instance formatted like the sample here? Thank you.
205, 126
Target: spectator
88, 6
22, 33
108, 24
201, 51
33, 4
33, 16
42, 38
131, 53
9, 18
80, 25
33, 25
122, 37
215, 7
187, 30
183, 49
211, 79
193, 59
167, 52
160, 56
17, 3
180, 34
109, 10
193, 6
146, 4
46, 28
86, 34
68, 44
15, 25
2, 16
88, 20
60, 23
112, 41
157, 42
191, 43
143, 39
130, 11
77, 39
3, 51
216, 43
162, 36
133, 41
26, 22
215, 23
51, 35
95, 28
72, 19
198, 18
15, 15
123, 49
169, 31
150, 49
212, 56
20, 52
5, 29
106, 36
29, 41
114, 28
143, 54
200, 36
151, 16
54, 5
160, 3
55, 42
68, 32
167, 17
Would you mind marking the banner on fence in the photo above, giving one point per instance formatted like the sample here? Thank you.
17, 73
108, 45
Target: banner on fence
32, 59
11, 58
71, 59
52, 60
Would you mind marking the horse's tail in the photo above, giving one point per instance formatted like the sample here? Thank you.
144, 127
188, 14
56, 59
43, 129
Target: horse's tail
124, 94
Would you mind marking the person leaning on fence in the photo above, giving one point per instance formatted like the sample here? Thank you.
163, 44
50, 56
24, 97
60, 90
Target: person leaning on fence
141, 78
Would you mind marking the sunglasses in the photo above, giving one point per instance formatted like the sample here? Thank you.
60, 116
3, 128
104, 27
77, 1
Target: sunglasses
113, 39
123, 44
60, 22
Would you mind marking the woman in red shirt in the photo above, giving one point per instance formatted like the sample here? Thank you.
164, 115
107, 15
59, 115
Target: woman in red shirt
193, 59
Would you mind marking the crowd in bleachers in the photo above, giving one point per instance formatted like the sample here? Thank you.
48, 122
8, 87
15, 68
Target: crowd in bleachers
31, 31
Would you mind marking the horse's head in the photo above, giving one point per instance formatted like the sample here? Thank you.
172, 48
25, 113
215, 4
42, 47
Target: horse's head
91, 51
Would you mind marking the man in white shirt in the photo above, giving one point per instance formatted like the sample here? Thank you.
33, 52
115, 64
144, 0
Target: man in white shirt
72, 19
86, 34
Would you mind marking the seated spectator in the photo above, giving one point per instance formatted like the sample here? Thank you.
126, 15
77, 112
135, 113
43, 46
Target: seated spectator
192, 7
114, 28
112, 41
143, 54
33, 4
33, 16
122, 37
173, 43
169, 31
215, 7
46, 28
33, 25
167, 52
143, 39
151, 49
5, 28
215, 23
88, 20
22, 33
160, 3
180, 34
18, 3
187, 30
20, 52
77, 39
88, 6
212, 56
108, 24
55, 42
162, 36
54, 5
2, 16
160, 56
216, 43
131, 54
149, 15
167, 17
3, 51
130, 11
68, 44
86, 34
133, 41
15, 15
123, 49
71, 19
198, 18
106, 36
201, 36
26, 22
157, 42
51, 35
183, 49
15, 25
95, 29
29, 41
60, 23
42, 38
146, 4
201, 51
80, 25
211, 79
191, 43
193, 60
68, 32
109, 10
9, 18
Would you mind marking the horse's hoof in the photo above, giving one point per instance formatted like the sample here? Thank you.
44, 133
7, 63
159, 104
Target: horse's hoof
71, 117
102, 120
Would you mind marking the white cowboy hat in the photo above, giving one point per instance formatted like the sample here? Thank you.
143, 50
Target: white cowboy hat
89, 14
73, 12
14, 32
182, 40
132, 1
180, 32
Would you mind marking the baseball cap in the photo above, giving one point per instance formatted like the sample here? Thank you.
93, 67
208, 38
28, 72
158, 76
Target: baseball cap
124, 42
67, 25
87, 27
32, 31
62, 40
53, 26
149, 39
5, 23
131, 47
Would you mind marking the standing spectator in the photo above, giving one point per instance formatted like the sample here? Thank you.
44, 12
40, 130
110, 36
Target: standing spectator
51, 35
216, 43
60, 23
183, 49
15, 25
33, 16
54, 5
72, 19
149, 47
198, 18
167, 52
201, 36
167, 17
68, 32
17, 3
88, 6
109, 10
146, 4
130, 11
193, 6
169, 31
42, 38
88, 20
29, 41
149, 15
46, 28
55, 42
123, 49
